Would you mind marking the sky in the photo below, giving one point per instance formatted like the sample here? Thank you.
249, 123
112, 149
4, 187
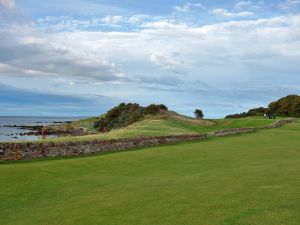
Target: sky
82, 57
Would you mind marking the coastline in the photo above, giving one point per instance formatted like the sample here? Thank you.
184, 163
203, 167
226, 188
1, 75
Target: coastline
13, 128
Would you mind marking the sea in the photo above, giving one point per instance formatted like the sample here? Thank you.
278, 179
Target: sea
14, 133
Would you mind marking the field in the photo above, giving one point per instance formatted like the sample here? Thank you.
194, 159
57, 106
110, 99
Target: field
250, 179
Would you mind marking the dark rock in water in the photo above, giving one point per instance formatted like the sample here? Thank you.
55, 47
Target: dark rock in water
64, 129
60, 122
24, 127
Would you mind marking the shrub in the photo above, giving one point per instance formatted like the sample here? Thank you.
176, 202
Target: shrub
152, 109
287, 106
163, 107
124, 115
199, 114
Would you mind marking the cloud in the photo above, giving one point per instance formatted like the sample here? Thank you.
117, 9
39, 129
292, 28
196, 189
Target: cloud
166, 57
249, 5
226, 13
188, 7
42, 55
9, 4
210, 49
165, 62
112, 19
290, 5
68, 23
16, 101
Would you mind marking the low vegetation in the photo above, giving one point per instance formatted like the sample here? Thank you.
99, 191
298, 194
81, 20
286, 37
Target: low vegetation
261, 111
199, 114
88, 124
245, 179
124, 115
288, 106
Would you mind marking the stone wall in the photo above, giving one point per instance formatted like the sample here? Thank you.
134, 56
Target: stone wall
35, 150
228, 132
279, 123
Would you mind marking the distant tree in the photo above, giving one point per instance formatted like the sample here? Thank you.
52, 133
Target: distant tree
163, 107
199, 114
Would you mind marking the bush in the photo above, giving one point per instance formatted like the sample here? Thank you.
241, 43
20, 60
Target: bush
287, 106
125, 114
252, 112
199, 114
163, 107
152, 109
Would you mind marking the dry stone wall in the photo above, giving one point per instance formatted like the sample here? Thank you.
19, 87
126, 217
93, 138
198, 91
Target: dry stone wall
279, 123
35, 150
228, 132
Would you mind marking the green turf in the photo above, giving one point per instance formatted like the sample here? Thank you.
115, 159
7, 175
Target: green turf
250, 179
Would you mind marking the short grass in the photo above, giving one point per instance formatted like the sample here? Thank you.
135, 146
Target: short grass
87, 124
158, 127
250, 179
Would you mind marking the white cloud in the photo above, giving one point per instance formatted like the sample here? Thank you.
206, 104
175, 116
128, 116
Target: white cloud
162, 56
211, 49
289, 4
241, 5
226, 13
188, 7
249, 5
10, 4
138, 19
112, 19
164, 61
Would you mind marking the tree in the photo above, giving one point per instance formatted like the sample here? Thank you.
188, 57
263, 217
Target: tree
199, 114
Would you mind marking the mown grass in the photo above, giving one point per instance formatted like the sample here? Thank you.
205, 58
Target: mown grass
157, 127
250, 179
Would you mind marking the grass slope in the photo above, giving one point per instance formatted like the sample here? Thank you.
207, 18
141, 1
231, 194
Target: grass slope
171, 124
87, 124
250, 179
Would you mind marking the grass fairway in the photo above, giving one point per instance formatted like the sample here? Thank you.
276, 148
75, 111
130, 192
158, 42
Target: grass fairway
250, 179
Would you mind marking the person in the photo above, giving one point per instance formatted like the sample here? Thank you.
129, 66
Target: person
43, 132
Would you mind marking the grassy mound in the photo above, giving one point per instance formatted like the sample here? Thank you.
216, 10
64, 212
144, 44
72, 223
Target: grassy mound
245, 179
124, 115
170, 123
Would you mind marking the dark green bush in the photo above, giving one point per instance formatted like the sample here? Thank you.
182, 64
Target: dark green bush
199, 114
287, 106
125, 114
152, 109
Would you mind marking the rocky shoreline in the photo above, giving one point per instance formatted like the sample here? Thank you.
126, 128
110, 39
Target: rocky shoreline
55, 129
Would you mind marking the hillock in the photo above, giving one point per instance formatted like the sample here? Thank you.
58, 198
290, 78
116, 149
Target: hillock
124, 115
